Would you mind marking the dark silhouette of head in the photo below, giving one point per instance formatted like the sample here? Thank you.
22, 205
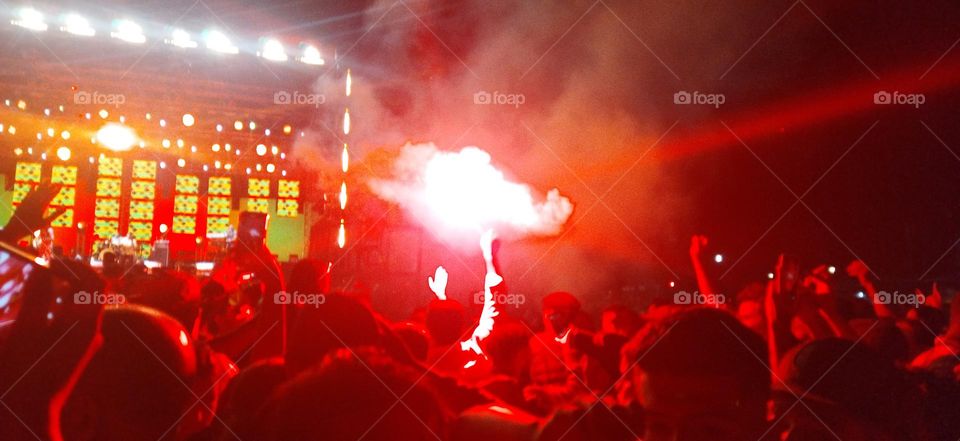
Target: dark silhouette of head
560, 309
698, 375
508, 348
446, 321
847, 388
354, 395
335, 323
136, 386
414, 338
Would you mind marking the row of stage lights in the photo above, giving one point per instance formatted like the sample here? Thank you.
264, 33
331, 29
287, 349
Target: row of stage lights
119, 137
130, 32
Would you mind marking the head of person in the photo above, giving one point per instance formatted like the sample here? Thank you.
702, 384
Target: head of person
560, 309
354, 395
508, 348
619, 320
307, 277
414, 338
335, 323
838, 388
445, 321
750, 308
698, 375
137, 385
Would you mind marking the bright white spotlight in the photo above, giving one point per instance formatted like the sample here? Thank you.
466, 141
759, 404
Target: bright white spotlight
718, 258
311, 55
63, 153
128, 31
261, 150
31, 19
218, 42
273, 50
116, 137
77, 25
188, 120
181, 38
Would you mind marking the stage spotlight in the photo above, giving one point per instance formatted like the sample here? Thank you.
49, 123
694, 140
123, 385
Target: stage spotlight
261, 150
181, 38
832, 269
215, 147
271, 168
274, 150
116, 137
181, 162
129, 31
63, 153
287, 129
349, 83
273, 50
32, 19
311, 55
165, 143
163, 228
77, 25
163, 165
219, 127
163, 122
218, 42
238, 125
259, 167
18, 151
65, 134
188, 120
346, 122
718, 258
252, 125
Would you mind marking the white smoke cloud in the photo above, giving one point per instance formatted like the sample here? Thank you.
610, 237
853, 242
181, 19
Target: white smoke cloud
464, 191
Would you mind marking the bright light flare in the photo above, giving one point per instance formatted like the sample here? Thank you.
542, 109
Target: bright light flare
343, 196
345, 159
346, 122
273, 50
349, 83
463, 191
311, 55
64, 153
341, 235
181, 38
129, 31
218, 42
32, 19
116, 137
77, 25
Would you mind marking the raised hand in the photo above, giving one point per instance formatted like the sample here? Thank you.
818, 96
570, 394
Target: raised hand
438, 283
28, 216
698, 243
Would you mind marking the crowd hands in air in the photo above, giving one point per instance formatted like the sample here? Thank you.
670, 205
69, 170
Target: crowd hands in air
220, 359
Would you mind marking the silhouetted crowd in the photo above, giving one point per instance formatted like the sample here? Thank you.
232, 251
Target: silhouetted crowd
247, 354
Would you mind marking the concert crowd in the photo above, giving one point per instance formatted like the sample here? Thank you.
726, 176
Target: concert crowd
247, 354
